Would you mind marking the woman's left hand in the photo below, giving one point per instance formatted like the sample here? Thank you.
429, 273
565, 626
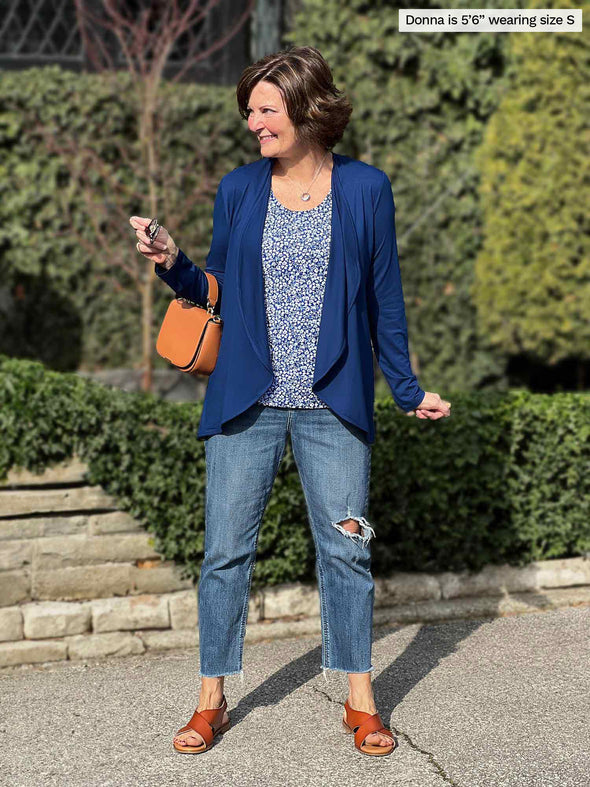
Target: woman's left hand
432, 407
163, 250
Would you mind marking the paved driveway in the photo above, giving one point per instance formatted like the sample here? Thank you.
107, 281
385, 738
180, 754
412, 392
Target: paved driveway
485, 703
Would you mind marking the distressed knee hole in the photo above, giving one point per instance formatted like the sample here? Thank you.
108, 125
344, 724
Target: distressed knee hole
356, 528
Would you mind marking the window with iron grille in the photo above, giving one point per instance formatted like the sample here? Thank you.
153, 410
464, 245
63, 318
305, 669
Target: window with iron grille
39, 31
42, 32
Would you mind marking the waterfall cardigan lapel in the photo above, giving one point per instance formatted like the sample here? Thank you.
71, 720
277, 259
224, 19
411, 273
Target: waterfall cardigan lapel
363, 298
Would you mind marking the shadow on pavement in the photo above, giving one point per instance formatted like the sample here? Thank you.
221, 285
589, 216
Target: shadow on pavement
431, 645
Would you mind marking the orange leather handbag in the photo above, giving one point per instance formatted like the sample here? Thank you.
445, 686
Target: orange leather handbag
190, 334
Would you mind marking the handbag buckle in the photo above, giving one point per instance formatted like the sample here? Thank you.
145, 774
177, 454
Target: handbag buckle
210, 306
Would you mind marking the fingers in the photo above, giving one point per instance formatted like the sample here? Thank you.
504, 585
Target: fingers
430, 415
160, 243
150, 253
438, 405
140, 225
138, 222
433, 407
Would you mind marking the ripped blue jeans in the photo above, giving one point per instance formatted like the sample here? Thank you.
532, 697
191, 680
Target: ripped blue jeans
334, 462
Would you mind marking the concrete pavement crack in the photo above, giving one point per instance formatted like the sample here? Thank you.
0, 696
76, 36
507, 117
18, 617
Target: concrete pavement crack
431, 758
327, 696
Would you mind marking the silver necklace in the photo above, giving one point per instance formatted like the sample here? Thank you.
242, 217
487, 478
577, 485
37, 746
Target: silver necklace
305, 196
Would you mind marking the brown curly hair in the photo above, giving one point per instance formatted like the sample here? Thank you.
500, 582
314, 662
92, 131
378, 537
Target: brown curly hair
318, 110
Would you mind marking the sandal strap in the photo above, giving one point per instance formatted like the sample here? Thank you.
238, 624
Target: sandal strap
372, 724
205, 721
364, 724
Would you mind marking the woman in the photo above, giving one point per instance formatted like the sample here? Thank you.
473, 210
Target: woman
304, 252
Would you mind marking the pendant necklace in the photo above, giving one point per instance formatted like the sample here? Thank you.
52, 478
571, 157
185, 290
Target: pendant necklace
305, 196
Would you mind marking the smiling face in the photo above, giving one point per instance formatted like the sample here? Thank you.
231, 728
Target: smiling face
268, 120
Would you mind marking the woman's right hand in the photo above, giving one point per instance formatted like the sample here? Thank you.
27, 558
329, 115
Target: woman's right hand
163, 250
432, 407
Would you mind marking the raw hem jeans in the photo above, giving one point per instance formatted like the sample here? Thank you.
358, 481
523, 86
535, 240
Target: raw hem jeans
334, 464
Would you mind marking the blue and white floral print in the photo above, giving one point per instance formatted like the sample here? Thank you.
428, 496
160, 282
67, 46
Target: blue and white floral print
295, 256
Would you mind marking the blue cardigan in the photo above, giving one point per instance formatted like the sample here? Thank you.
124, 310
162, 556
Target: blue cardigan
363, 298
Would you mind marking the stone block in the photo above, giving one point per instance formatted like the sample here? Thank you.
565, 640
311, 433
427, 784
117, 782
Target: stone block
37, 527
46, 619
32, 652
38, 501
71, 471
132, 612
496, 580
401, 587
15, 586
172, 639
291, 599
20, 528
65, 525
11, 624
184, 609
113, 522
117, 643
566, 597
568, 572
255, 606
158, 578
56, 553
82, 582
283, 629
15, 554
490, 581
481, 607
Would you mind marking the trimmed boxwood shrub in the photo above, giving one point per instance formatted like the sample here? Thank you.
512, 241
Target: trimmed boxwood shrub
504, 479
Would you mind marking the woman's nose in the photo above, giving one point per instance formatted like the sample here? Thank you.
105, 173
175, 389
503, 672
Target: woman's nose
256, 124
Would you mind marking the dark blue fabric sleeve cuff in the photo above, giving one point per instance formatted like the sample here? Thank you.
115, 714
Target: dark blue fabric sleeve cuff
163, 272
185, 278
418, 399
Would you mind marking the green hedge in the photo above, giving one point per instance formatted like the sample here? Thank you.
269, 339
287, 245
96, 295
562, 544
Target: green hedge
421, 107
52, 284
505, 479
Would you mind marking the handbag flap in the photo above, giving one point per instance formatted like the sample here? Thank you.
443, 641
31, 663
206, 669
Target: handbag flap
181, 332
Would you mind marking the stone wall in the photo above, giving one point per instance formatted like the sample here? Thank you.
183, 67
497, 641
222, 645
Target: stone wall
81, 579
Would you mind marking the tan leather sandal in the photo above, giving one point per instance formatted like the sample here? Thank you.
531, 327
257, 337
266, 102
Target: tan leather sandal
363, 724
208, 724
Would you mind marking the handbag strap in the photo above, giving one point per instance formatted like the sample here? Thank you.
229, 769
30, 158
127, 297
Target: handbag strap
213, 288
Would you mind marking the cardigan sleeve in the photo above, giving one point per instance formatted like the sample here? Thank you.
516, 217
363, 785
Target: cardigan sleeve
187, 279
385, 302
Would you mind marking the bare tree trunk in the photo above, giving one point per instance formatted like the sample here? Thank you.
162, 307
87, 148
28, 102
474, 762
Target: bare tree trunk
147, 136
145, 37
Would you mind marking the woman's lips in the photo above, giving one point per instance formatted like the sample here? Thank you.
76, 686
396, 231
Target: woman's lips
266, 139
